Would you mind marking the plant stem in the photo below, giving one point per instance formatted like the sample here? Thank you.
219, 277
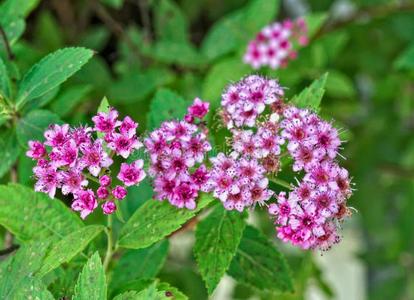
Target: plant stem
91, 177
110, 245
280, 182
6, 44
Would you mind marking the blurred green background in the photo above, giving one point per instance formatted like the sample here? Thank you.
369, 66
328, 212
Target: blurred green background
156, 56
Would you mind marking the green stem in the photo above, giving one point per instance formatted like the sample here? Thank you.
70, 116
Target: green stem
90, 177
110, 245
280, 182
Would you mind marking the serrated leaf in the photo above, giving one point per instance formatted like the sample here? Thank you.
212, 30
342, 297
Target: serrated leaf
68, 247
67, 100
166, 105
217, 239
91, 284
24, 263
170, 292
236, 29
154, 220
136, 86
50, 72
311, 96
33, 125
9, 150
259, 264
5, 88
139, 264
32, 215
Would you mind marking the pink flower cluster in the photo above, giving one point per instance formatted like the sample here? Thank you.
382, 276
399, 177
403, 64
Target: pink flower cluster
309, 216
274, 45
70, 158
177, 150
238, 181
244, 101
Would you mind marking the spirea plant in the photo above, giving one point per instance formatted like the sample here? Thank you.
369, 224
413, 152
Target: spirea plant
93, 202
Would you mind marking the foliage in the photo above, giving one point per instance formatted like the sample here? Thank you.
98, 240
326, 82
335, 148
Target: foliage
58, 59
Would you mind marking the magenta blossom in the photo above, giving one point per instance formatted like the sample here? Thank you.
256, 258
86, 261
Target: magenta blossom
198, 109
119, 192
106, 122
131, 174
85, 202
36, 150
109, 207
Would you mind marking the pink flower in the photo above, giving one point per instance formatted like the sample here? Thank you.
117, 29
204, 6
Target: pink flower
105, 180
119, 192
123, 145
36, 150
131, 174
184, 195
106, 122
57, 135
109, 207
85, 202
65, 155
47, 179
72, 181
128, 127
95, 158
198, 109
102, 192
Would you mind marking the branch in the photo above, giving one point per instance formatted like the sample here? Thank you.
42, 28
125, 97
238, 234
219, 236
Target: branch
9, 250
370, 12
6, 43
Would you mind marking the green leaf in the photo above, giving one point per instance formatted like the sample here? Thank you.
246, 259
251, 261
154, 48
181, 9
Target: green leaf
49, 36
113, 3
41, 101
136, 86
69, 99
258, 264
5, 88
14, 29
166, 105
31, 288
235, 30
217, 239
33, 125
27, 260
314, 22
17, 8
339, 85
140, 264
91, 284
43, 218
311, 96
170, 292
405, 61
68, 247
156, 291
171, 52
9, 150
154, 220
170, 23
219, 76
50, 72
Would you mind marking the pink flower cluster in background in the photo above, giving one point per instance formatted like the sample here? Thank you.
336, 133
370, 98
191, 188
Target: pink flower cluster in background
275, 44
177, 150
71, 158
